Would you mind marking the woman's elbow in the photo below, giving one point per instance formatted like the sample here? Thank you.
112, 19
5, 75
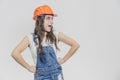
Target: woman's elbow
76, 45
14, 54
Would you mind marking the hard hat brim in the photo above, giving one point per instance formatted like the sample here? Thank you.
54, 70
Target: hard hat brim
55, 15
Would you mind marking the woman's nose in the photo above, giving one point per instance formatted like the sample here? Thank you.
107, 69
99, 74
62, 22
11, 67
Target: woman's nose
51, 21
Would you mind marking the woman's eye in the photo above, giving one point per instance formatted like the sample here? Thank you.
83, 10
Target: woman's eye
48, 18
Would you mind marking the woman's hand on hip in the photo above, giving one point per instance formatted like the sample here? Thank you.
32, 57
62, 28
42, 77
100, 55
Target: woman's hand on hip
32, 69
60, 60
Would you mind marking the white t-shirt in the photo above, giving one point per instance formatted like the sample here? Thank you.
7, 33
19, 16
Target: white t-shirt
32, 45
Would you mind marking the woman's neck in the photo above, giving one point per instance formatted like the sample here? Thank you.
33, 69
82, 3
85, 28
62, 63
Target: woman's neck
45, 33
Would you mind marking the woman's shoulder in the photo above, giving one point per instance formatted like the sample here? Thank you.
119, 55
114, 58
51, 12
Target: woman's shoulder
56, 32
30, 36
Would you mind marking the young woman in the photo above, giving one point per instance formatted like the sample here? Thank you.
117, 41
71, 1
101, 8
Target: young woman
43, 46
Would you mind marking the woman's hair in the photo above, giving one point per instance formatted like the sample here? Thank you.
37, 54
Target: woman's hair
39, 31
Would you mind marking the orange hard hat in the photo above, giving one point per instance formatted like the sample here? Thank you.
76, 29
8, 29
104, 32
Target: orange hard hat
44, 9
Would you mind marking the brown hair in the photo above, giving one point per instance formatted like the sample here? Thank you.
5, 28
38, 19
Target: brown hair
39, 31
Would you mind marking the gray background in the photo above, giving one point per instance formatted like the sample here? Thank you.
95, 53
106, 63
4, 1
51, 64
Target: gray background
94, 24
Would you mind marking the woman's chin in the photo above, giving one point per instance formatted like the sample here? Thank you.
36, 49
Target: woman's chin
48, 30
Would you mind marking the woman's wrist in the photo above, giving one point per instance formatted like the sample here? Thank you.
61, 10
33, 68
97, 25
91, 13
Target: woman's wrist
61, 60
28, 67
31, 68
64, 60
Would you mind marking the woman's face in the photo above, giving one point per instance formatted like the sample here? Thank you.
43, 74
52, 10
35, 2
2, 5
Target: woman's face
48, 22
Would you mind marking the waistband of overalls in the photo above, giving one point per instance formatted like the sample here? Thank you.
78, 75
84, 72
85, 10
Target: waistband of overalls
48, 71
49, 67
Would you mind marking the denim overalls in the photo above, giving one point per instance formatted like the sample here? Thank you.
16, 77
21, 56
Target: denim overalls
48, 68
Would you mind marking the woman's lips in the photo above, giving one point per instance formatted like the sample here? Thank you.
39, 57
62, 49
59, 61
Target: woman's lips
49, 25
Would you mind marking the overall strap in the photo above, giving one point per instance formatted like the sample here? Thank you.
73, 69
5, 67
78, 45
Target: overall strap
35, 39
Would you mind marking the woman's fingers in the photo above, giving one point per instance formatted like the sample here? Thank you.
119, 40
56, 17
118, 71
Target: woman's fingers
60, 60
32, 69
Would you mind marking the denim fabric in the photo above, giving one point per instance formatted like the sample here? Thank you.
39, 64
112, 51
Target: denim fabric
48, 68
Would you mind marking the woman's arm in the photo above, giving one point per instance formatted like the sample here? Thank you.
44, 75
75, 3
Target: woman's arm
16, 54
69, 41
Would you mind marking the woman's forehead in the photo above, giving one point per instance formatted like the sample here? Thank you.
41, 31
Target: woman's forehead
48, 15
